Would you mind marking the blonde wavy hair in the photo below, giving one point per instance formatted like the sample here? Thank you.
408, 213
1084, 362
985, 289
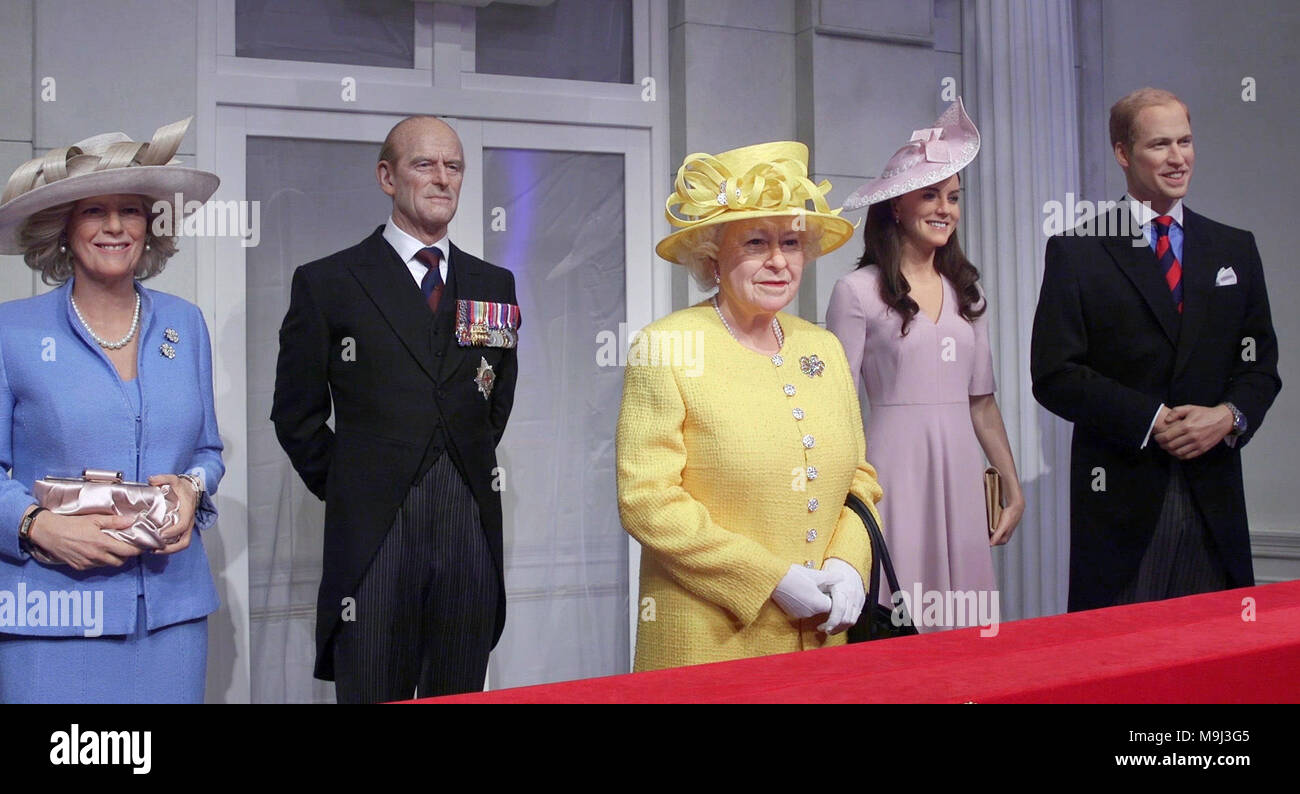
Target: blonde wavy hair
43, 237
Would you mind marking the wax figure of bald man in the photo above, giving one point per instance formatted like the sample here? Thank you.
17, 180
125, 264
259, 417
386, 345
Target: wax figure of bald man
412, 342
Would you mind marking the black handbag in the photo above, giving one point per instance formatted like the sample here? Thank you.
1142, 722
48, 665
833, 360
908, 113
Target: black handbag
877, 620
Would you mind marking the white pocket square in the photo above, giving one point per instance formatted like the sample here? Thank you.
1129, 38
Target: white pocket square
1226, 277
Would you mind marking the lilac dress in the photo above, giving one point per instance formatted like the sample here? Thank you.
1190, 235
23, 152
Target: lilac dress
919, 432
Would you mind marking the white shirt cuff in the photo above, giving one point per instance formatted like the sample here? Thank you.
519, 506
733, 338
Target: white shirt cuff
1152, 427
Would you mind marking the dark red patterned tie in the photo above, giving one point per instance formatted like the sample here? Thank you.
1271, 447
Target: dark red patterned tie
1165, 253
431, 284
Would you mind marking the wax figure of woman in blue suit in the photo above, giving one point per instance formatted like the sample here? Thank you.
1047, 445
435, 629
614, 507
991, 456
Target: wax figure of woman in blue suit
102, 373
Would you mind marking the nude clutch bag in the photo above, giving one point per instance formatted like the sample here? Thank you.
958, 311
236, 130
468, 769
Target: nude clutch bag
992, 498
104, 493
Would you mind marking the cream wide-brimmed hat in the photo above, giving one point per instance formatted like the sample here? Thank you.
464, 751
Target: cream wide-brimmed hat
760, 181
102, 165
931, 156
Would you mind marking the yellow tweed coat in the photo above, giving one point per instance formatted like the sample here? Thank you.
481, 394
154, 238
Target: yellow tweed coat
714, 481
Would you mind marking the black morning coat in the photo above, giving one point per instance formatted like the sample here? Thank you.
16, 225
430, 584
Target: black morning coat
359, 337
1109, 347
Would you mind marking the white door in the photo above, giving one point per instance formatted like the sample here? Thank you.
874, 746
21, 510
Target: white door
549, 202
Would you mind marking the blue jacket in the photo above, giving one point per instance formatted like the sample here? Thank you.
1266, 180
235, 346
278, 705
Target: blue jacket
64, 409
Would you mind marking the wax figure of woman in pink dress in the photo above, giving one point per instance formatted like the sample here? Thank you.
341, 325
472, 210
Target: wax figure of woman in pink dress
914, 325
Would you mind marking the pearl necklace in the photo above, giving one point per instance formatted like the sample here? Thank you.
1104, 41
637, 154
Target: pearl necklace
104, 343
776, 327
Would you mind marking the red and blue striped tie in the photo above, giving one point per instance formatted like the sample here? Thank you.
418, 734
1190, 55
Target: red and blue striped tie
431, 284
1165, 253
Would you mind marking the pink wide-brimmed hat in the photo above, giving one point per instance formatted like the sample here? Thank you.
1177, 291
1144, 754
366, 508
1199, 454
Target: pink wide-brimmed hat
931, 156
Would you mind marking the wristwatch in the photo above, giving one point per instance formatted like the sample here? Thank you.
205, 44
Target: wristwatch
195, 481
25, 530
1238, 421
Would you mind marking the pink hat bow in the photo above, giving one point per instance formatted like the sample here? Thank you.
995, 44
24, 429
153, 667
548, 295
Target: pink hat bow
935, 150
932, 155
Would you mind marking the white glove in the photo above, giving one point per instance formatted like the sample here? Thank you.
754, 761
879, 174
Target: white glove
800, 593
844, 585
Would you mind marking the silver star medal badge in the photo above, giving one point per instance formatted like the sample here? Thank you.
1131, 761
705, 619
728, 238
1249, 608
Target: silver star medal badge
485, 378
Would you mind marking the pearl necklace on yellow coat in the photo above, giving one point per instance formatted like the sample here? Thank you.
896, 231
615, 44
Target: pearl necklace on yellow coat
776, 329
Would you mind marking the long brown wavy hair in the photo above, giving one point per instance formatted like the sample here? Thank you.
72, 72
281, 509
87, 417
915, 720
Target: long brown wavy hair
884, 245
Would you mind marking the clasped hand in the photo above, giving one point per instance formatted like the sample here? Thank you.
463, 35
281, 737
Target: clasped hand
80, 542
835, 591
1189, 431
177, 535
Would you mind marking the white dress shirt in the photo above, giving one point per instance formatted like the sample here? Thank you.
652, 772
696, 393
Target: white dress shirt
407, 247
1145, 216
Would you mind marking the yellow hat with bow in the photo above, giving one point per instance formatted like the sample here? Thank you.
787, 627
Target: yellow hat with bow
759, 181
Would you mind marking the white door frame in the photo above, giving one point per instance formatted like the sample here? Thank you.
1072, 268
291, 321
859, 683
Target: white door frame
642, 281
647, 281
238, 97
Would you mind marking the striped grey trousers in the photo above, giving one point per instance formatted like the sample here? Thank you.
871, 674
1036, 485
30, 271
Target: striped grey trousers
426, 607
1181, 559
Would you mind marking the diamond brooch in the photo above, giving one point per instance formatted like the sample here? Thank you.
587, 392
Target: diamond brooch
812, 366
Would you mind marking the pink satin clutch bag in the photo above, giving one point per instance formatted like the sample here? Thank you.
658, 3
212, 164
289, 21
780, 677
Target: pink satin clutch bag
103, 493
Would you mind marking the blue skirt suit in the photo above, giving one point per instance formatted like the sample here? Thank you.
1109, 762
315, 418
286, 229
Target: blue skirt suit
140, 634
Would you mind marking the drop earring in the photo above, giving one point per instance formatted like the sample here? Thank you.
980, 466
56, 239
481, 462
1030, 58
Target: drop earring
717, 279
63, 246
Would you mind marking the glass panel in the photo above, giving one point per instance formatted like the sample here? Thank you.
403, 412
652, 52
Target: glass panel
306, 212
568, 39
357, 32
556, 219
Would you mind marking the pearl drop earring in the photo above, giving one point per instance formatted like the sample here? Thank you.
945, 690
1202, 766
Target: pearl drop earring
63, 247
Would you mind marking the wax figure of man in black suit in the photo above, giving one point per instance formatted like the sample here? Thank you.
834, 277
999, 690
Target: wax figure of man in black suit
1157, 343
412, 341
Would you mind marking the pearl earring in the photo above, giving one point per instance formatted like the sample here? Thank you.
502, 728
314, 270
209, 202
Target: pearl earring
146, 246
717, 279
63, 247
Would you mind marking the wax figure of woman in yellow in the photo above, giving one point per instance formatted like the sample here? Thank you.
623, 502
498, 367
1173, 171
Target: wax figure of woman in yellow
733, 467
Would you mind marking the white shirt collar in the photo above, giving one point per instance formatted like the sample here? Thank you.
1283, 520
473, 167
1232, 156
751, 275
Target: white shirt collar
1145, 214
407, 246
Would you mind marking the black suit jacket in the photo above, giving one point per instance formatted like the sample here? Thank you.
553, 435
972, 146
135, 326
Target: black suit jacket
1109, 347
358, 335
